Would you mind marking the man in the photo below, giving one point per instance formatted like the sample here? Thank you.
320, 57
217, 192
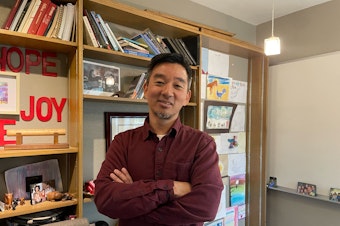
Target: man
163, 173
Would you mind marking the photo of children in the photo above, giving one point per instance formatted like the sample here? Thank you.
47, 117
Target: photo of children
39, 191
306, 189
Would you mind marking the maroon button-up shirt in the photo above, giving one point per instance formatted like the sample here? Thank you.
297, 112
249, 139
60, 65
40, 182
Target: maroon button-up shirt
185, 154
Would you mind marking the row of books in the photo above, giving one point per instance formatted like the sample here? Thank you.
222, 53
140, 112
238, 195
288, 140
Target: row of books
42, 17
98, 33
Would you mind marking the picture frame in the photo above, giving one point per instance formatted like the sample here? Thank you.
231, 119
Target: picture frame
306, 189
218, 116
101, 79
334, 194
9, 93
117, 122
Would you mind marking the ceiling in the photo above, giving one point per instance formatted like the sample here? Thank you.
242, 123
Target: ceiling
256, 12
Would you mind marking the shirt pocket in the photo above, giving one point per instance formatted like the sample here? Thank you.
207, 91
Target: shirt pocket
177, 171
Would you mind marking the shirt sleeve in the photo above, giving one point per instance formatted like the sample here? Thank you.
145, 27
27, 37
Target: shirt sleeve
202, 202
119, 200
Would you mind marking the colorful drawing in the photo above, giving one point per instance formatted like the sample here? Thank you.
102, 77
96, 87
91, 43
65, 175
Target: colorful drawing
218, 88
237, 190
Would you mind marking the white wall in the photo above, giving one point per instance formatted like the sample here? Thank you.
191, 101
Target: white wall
304, 122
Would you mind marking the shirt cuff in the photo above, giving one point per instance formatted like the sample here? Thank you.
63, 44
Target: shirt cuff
168, 187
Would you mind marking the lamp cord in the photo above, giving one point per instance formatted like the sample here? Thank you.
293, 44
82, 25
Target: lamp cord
273, 19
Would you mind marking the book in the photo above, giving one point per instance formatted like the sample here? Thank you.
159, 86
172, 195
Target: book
23, 14
124, 43
132, 86
38, 17
101, 33
186, 51
61, 28
47, 19
27, 14
95, 29
18, 14
107, 33
133, 41
114, 37
135, 52
141, 37
31, 15
69, 19
54, 33
90, 38
135, 86
11, 15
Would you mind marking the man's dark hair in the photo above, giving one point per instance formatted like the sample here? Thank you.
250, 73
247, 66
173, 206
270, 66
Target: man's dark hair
171, 58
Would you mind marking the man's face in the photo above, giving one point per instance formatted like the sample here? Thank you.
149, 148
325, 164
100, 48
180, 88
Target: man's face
167, 90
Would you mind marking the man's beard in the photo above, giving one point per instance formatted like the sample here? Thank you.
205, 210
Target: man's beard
161, 115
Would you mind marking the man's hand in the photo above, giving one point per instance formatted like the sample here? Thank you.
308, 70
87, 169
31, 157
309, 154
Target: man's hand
121, 176
181, 188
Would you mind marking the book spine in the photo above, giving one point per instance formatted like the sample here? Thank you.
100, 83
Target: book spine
148, 55
69, 22
23, 14
62, 24
46, 19
106, 32
138, 86
124, 42
151, 44
114, 37
55, 31
11, 15
31, 16
27, 14
134, 42
187, 52
89, 30
101, 32
38, 17
18, 15
95, 29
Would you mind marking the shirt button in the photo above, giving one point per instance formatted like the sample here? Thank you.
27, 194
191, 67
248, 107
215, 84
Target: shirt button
160, 149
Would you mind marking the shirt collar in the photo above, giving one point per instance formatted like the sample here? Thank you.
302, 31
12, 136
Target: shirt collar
173, 131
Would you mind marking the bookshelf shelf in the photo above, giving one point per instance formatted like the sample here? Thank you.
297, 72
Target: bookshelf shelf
27, 208
115, 56
120, 99
32, 41
35, 152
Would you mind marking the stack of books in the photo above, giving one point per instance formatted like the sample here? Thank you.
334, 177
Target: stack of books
42, 17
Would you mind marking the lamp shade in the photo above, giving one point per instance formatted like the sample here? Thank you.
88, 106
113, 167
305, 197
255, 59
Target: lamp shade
272, 46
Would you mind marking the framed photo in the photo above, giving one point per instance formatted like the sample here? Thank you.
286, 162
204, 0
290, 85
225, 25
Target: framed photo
218, 116
334, 194
306, 189
101, 79
117, 122
9, 93
39, 191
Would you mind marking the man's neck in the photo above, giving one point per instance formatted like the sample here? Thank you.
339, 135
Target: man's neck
161, 126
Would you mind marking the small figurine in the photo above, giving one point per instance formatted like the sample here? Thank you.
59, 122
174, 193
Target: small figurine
8, 200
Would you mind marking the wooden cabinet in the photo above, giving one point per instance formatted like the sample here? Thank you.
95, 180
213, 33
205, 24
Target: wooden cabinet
71, 159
